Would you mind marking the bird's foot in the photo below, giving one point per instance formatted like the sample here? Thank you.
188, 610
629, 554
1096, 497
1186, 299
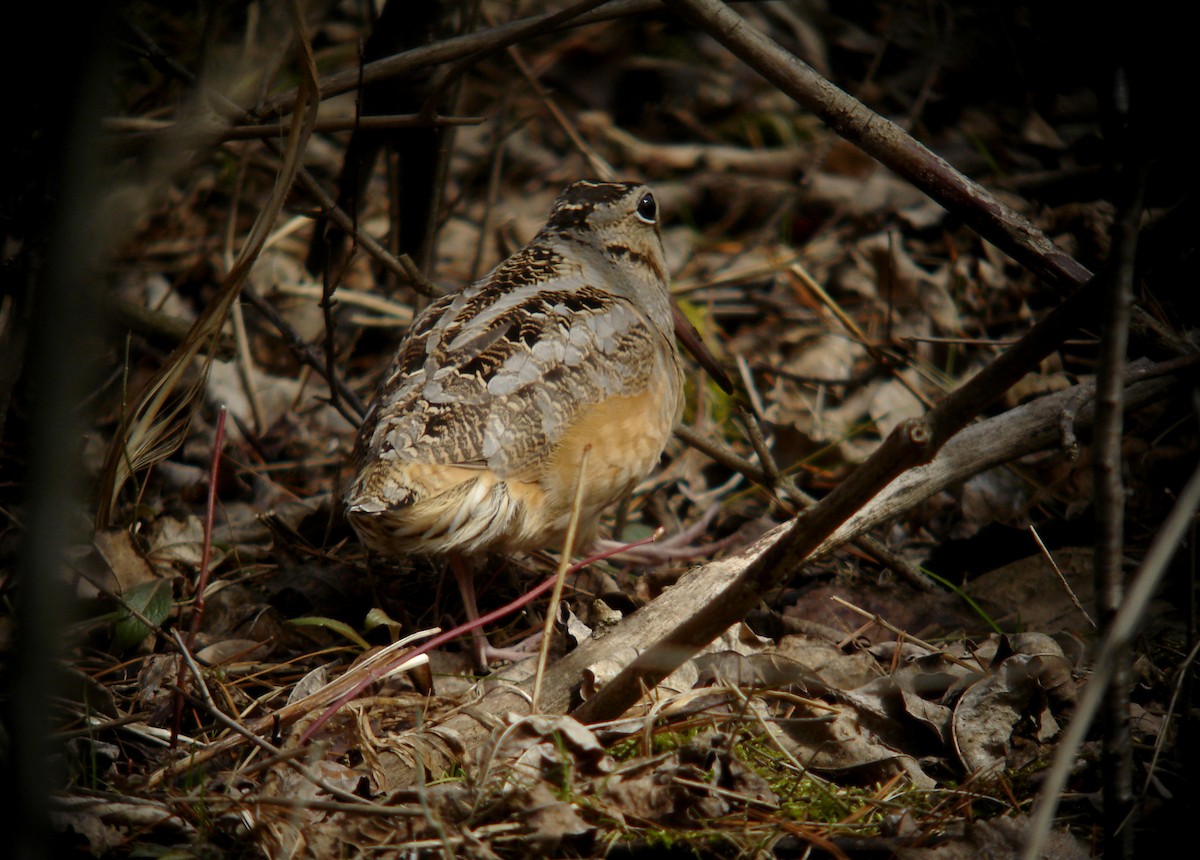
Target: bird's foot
680, 546
484, 654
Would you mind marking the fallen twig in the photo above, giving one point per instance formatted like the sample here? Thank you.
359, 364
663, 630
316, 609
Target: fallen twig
1024, 430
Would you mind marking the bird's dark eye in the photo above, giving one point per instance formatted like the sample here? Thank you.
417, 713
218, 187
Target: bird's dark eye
647, 209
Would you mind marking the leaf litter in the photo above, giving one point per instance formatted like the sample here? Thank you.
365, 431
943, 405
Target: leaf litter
854, 714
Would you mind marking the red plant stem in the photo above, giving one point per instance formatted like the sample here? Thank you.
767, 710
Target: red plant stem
442, 638
202, 579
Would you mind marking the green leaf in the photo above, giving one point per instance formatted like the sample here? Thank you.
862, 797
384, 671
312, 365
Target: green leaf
333, 624
153, 601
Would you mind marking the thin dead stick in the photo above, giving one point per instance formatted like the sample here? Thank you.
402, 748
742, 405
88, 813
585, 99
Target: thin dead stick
1116, 764
327, 303
901, 566
595, 161
1062, 580
1165, 735
717, 791
236, 727
191, 802
329, 126
144, 128
984, 341
400, 265
844, 318
495, 171
877, 353
331, 280
759, 444
347, 402
748, 385
394, 313
1125, 625
689, 285
721, 454
246, 368
243, 359
560, 577
550, 22
876, 618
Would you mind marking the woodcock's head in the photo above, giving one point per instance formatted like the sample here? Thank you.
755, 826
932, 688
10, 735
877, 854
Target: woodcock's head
612, 229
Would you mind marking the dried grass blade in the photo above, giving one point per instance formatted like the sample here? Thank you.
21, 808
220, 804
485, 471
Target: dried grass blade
157, 425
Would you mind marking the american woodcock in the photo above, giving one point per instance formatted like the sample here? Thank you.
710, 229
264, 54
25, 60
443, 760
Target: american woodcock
477, 432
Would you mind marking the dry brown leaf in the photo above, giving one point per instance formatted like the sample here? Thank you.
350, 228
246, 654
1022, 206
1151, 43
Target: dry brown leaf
902, 282
989, 711
860, 197
126, 563
176, 541
109, 824
892, 402
672, 789
551, 821
998, 839
840, 743
828, 662
1027, 592
242, 650
738, 639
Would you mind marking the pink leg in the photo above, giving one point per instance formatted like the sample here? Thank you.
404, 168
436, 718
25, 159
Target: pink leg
483, 653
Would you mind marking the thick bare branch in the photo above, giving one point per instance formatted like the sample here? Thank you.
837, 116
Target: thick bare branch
449, 50
887, 142
911, 443
1020, 431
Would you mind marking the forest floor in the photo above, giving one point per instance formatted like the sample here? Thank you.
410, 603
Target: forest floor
901, 692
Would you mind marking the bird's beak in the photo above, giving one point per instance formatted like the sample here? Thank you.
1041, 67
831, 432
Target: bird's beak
690, 338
